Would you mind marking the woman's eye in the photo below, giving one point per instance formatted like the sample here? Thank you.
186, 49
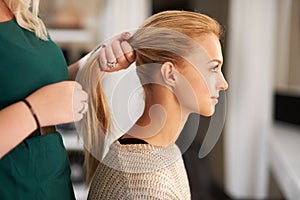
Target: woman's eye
215, 69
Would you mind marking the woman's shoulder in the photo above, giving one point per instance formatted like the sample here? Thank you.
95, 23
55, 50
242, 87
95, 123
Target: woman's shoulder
141, 158
151, 179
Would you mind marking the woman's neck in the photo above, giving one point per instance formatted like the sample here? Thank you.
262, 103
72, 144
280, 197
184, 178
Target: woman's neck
161, 122
5, 12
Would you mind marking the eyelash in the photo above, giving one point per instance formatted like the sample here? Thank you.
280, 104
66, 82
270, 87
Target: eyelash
215, 69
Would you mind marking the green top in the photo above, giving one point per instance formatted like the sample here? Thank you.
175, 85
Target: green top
38, 168
27, 63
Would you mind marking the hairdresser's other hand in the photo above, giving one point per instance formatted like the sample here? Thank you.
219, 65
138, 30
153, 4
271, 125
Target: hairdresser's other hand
117, 50
59, 103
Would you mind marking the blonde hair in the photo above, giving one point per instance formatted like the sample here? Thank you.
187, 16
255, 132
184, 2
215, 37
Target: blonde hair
166, 36
26, 14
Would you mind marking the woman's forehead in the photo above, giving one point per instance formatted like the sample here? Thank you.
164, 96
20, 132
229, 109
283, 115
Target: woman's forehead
212, 46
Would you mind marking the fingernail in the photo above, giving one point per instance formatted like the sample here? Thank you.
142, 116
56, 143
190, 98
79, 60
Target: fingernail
126, 35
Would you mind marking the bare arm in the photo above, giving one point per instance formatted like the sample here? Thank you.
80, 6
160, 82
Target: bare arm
75, 67
72, 71
16, 123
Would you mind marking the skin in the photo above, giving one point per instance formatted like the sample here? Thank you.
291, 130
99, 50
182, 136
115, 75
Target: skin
208, 80
182, 90
5, 13
117, 49
45, 100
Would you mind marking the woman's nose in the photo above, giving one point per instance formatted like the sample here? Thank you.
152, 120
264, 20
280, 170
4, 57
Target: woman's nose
223, 83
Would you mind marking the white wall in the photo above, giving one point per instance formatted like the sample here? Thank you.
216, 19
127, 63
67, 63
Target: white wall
119, 15
250, 68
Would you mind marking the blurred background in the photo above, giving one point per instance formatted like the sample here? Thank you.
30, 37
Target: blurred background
257, 155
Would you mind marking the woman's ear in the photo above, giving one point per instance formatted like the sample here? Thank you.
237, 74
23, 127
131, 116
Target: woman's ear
168, 73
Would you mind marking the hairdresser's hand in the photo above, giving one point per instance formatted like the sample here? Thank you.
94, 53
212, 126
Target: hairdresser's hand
116, 53
59, 103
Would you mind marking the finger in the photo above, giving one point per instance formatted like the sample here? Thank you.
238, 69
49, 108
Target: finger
110, 57
84, 96
78, 117
84, 108
102, 59
130, 57
125, 35
77, 106
126, 47
122, 62
77, 86
80, 110
119, 54
120, 37
117, 49
128, 50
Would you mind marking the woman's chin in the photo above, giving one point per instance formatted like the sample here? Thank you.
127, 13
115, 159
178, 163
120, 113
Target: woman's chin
207, 112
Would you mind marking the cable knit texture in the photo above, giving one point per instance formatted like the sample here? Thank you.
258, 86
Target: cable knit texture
140, 172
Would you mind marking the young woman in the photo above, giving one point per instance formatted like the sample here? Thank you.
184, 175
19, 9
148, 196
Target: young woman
178, 59
36, 96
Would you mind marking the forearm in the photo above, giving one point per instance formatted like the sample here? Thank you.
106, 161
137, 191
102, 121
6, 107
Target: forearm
72, 71
75, 67
16, 123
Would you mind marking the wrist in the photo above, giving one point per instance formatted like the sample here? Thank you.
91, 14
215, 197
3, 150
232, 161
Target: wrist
33, 113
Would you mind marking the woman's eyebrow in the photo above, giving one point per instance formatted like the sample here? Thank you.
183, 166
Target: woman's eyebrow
216, 60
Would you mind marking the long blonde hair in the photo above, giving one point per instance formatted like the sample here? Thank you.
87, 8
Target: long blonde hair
26, 14
166, 36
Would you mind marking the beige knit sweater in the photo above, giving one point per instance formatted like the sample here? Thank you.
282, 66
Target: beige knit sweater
140, 171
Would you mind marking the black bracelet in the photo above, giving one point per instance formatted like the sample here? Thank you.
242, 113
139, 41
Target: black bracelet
34, 116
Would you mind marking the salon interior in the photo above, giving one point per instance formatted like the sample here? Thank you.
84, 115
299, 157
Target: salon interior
256, 156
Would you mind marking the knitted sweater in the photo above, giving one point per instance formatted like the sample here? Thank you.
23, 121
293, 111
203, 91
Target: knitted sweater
140, 171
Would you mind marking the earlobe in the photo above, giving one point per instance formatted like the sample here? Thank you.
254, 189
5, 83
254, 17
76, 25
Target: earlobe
168, 73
